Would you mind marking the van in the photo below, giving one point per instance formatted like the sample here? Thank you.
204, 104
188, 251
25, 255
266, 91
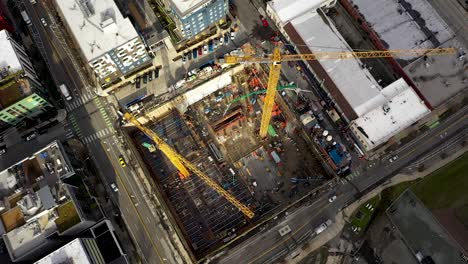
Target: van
65, 92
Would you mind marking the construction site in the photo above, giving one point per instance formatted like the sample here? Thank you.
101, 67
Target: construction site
218, 132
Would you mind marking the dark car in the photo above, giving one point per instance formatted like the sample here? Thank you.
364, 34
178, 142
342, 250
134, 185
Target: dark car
194, 53
150, 75
156, 73
200, 50
210, 46
138, 82
226, 38
145, 78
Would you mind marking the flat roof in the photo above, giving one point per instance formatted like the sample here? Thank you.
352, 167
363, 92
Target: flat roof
409, 24
441, 77
32, 235
8, 56
46, 165
356, 83
98, 26
402, 107
185, 6
287, 9
73, 252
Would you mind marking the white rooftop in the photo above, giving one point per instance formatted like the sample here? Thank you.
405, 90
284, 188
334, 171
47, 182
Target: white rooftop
356, 84
7, 54
97, 25
32, 235
185, 5
402, 108
289, 9
73, 252
397, 24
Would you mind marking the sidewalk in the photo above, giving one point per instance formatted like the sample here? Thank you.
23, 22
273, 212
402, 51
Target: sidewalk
336, 228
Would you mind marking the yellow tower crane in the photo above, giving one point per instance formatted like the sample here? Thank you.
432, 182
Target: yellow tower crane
184, 166
276, 58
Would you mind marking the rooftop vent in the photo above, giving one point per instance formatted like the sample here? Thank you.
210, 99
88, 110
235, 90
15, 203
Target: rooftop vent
87, 8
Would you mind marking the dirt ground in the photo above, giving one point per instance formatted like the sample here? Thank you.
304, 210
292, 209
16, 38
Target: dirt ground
449, 220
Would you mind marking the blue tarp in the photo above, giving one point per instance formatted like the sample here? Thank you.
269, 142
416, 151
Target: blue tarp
336, 157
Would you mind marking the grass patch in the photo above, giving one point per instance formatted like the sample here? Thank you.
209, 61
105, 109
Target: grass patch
68, 216
363, 215
446, 187
390, 194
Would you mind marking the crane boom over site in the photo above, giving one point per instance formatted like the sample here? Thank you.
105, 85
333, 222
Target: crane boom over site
184, 166
276, 58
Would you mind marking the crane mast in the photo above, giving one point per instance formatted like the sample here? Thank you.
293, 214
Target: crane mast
276, 58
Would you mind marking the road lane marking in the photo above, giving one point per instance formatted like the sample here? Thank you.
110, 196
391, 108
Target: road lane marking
433, 136
119, 178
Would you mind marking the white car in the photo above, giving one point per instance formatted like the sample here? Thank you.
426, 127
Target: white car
44, 22
31, 137
392, 159
233, 35
331, 199
205, 49
114, 187
220, 42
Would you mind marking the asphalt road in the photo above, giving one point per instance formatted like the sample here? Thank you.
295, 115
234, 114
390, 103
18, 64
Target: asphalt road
269, 245
91, 119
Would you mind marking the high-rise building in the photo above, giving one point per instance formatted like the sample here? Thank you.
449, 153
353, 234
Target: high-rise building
98, 246
21, 93
107, 41
39, 210
193, 17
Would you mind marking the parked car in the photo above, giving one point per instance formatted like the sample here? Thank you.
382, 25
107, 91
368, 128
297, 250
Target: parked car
145, 78
210, 46
189, 55
184, 59
215, 43
205, 49
156, 73
221, 42
232, 35
264, 21
332, 198
200, 50
138, 82
44, 22
194, 53
150, 75
226, 38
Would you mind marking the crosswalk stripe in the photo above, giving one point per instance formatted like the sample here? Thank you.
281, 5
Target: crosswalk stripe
109, 124
86, 140
87, 97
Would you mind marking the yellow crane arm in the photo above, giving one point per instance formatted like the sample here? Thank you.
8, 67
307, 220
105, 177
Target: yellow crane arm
275, 69
268, 103
182, 164
333, 55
